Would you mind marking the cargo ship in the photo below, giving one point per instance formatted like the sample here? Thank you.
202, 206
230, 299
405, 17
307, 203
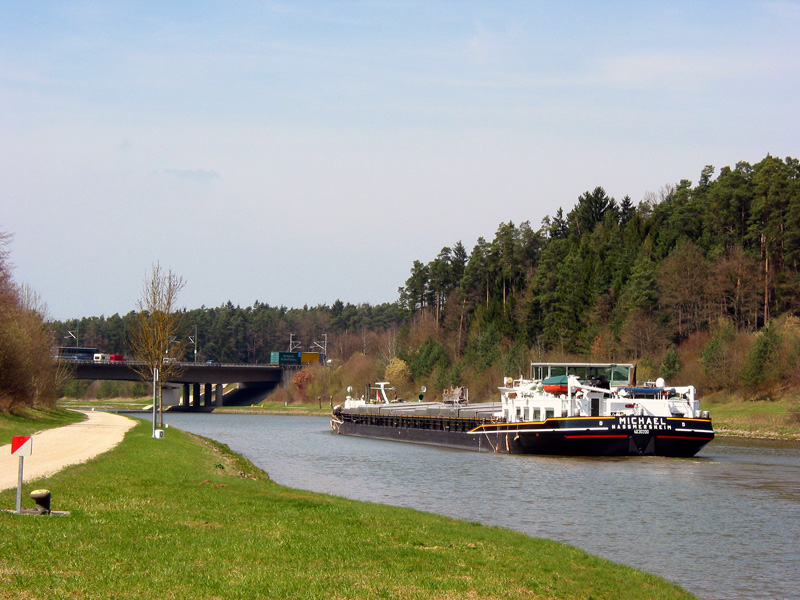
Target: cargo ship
573, 409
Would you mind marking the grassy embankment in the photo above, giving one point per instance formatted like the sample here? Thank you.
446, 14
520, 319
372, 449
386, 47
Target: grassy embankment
184, 518
28, 421
106, 404
769, 419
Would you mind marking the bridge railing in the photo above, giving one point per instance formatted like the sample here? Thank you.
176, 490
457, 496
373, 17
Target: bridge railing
136, 363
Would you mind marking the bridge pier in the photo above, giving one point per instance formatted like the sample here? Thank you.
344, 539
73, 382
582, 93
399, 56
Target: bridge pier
207, 401
212, 395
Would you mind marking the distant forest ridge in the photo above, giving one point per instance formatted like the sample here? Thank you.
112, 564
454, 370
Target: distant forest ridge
607, 280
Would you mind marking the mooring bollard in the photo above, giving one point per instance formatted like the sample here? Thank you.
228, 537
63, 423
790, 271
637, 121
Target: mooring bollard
42, 499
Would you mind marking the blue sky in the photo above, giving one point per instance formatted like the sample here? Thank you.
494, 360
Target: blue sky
299, 152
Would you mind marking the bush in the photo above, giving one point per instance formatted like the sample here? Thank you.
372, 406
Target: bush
671, 364
399, 374
139, 389
111, 389
302, 380
430, 356
515, 361
762, 368
718, 357
75, 388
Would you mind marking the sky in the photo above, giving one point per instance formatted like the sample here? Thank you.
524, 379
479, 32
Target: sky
296, 153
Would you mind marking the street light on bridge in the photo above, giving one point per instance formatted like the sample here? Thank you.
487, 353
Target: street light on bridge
193, 341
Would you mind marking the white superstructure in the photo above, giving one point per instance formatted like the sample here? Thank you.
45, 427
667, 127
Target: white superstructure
566, 395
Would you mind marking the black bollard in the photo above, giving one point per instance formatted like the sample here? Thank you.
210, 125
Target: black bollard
42, 499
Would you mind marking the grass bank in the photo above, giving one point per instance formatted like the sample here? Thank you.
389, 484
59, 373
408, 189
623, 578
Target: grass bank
27, 421
769, 419
276, 408
184, 518
106, 404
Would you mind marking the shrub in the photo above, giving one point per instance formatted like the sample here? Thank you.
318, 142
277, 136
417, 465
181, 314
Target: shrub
762, 368
432, 354
111, 389
302, 380
398, 373
717, 358
671, 364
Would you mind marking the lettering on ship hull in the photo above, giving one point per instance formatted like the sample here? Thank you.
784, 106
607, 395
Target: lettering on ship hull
642, 424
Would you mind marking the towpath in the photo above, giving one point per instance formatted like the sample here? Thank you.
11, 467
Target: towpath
57, 448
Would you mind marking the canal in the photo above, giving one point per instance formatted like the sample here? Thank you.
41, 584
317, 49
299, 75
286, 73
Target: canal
724, 525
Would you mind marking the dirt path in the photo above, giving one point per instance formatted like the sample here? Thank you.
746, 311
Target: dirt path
57, 448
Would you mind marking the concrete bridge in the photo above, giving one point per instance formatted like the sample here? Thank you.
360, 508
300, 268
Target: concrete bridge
255, 381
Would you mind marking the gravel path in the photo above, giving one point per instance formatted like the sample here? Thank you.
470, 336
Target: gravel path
57, 448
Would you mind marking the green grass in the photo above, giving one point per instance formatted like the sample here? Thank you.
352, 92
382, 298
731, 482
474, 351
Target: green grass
27, 421
281, 409
733, 415
184, 518
107, 404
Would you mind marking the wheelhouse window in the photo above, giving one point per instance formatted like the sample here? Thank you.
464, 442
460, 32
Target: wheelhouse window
616, 375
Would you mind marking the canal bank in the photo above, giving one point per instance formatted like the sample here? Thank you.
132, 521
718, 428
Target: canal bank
221, 529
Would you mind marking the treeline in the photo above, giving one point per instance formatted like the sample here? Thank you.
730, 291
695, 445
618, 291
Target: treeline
232, 334
688, 282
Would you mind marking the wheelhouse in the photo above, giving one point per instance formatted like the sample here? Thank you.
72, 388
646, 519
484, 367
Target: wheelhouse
616, 375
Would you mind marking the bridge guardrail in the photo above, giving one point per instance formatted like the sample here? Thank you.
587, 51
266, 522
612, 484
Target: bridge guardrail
73, 361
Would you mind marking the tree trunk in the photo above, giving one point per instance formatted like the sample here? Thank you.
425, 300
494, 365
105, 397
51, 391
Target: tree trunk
766, 290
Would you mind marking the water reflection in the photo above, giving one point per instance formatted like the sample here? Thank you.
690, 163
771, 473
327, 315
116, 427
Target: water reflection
725, 524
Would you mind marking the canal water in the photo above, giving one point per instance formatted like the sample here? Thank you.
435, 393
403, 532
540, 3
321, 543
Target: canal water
724, 525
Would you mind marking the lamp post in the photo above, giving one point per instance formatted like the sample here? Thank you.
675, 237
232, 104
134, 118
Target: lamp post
193, 341
155, 382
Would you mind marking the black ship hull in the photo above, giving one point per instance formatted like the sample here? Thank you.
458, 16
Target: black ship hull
570, 436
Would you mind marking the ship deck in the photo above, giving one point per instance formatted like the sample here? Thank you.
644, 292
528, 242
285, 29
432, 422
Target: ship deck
429, 409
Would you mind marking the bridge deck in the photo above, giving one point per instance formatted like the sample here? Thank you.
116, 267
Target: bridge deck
190, 372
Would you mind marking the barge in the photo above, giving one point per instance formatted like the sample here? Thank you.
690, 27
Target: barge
586, 409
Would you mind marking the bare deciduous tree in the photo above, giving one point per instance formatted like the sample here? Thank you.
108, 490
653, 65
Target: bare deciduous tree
28, 374
387, 344
154, 338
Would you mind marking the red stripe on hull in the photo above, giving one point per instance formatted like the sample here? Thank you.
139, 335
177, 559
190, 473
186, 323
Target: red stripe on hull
577, 437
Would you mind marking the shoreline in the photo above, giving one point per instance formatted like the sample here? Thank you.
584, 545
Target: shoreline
720, 432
